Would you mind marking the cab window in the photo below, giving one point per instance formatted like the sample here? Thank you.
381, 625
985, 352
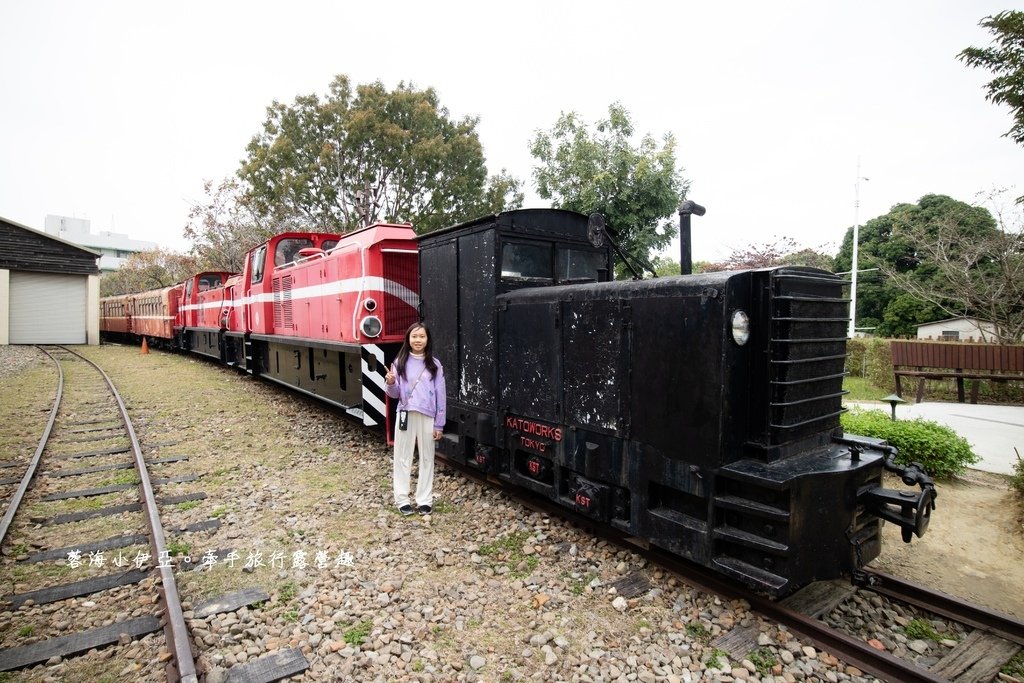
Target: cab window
258, 258
209, 282
288, 249
526, 262
327, 245
580, 265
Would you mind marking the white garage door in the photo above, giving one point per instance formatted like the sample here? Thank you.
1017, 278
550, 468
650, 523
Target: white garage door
47, 308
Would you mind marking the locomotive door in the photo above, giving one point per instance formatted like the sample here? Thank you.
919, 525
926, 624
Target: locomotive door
594, 364
528, 372
258, 303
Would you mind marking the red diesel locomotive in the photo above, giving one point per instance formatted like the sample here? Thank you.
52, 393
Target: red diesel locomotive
318, 312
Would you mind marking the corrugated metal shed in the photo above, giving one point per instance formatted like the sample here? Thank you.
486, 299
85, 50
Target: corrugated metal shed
22, 248
49, 288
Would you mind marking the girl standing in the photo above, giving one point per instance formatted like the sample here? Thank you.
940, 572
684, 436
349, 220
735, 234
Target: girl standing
416, 379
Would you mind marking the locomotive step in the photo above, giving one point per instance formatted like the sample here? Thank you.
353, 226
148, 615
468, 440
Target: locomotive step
748, 573
752, 507
749, 540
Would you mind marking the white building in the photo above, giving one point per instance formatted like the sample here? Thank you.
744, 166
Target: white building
958, 329
113, 247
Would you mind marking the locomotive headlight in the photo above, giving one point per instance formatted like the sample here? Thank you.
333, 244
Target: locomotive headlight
370, 304
370, 326
740, 327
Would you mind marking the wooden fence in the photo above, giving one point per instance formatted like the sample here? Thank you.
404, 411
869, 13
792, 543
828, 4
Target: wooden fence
948, 360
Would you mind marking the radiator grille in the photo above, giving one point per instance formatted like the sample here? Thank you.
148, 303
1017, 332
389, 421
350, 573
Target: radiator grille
282, 287
807, 353
401, 281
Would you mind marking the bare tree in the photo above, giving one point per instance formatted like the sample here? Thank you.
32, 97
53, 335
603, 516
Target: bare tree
152, 269
976, 274
784, 251
222, 228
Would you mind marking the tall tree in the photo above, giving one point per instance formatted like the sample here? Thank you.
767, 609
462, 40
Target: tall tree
636, 187
1005, 59
368, 154
976, 273
895, 250
144, 270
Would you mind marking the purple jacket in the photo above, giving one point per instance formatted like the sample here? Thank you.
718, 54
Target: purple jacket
428, 395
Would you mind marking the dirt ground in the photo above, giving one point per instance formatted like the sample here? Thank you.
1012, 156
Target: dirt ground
974, 546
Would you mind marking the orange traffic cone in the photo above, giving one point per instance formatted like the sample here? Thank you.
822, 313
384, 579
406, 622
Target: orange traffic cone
145, 346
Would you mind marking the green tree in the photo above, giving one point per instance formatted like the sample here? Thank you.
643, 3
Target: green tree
145, 270
902, 314
813, 258
665, 266
973, 270
637, 188
894, 250
1005, 59
368, 154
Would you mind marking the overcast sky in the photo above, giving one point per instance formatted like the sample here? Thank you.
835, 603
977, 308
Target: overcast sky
117, 111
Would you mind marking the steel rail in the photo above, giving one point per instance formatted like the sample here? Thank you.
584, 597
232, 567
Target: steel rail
175, 630
849, 649
30, 472
943, 604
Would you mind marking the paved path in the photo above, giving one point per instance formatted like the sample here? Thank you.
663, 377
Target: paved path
993, 431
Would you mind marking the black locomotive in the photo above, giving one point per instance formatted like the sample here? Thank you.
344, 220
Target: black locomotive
698, 412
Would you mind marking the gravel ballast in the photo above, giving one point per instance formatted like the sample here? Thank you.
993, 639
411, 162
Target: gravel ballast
483, 589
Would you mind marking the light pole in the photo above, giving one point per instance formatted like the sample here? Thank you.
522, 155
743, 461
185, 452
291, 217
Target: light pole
856, 240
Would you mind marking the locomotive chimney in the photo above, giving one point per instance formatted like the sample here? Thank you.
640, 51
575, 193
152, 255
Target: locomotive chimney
686, 209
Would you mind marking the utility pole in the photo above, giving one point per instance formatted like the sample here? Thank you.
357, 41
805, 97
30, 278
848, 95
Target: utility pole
856, 247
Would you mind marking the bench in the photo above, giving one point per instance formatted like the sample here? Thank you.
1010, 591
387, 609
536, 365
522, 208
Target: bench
950, 360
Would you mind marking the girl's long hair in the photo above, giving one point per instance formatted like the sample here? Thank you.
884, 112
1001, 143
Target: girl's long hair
428, 356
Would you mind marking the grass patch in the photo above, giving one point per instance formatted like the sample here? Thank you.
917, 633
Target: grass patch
1015, 667
219, 512
578, 584
919, 629
443, 507
125, 477
698, 631
861, 389
508, 551
288, 591
715, 660
178, 547
187, 505
357, 634
763, 660
38, 571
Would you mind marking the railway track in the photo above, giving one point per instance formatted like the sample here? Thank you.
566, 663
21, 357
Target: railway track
826, 642
88, 450
992, 638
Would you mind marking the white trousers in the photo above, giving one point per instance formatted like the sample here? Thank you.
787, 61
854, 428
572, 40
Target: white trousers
420, 431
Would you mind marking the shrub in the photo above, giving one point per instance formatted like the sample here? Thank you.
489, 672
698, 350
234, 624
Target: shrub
1017, 480
941, 451
879, 364
871, 358
856, 350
